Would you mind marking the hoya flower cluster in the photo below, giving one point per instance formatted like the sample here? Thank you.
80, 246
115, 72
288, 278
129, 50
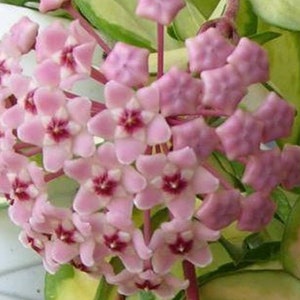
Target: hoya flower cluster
155, 155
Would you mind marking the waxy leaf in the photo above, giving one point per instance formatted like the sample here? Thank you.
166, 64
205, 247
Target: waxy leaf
69, 284
290, 248
281, 13
249, 285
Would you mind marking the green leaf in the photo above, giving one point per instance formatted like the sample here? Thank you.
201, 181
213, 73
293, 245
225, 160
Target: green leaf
206, 7
68, 284
249, 285
187, 22
58, 194
246, 20
117, 19
146, 296
3, 203
283, 205
281, 13
264, 37
219, 9
290, 250
15, 2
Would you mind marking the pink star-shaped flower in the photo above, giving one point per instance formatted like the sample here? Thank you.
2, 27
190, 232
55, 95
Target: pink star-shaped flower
178, 240
131, 119
174, 180
104, 182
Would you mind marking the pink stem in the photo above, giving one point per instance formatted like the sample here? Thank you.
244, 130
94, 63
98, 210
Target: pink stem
97, 107
87, 26
232, 9
160, 50
214, 172
52, 176
21, 145
121, 297
191, 292
98, 76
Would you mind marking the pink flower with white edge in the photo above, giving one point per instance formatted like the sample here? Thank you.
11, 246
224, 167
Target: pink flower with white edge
47, 5
181, 240
122, 239
127, 64
291, 161
251, 61
163, 286
277, 117
197, 135
104, 182
173, 180
240, 134
64, 55
208, 50
264, 170
220, 209
179, 93
161, 11
58, 128
131, 120
257, 211
223, 88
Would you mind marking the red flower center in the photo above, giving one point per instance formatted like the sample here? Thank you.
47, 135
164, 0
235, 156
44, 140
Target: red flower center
67, 58
58, 130
174, 184
20, 190
131, 120
114, 243
3, 70
29, 104
65, 235
104, 186
181, 246
147, 285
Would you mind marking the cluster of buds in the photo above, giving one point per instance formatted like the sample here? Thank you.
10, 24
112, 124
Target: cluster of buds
145, 150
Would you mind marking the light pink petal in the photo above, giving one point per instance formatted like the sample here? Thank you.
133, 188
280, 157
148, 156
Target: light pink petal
82, 105
120, 212
19, 84
32, 132
86, 202
13, 116
133, 181
148, 198
131, 260
86, 252
200, 257
183, 157
106, 155
151, 165
163, 260
129, 149
83, 144
203, 233
36, 174
117, 95
78, 169
47, 73
48, 101
140, 246
158, 131
145, 94
54, 157
204, 182
62, 252
83, 55
102, 125
183, 206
